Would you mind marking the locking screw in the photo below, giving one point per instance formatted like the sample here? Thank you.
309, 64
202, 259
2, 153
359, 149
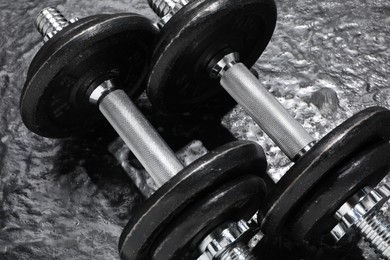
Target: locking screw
362, 213
50, 21
165, 9
226, 243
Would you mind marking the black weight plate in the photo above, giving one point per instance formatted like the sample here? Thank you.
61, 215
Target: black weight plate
54, 43
201, 177
367, 168
238, 199
368, 126
54, 101
195, 35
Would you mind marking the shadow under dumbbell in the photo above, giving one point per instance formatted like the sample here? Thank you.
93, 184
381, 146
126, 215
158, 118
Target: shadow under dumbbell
90, 151
203, 124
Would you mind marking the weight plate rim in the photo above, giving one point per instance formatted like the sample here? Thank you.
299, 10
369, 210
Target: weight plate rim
61, 54
224, 204
375, 121
208, 172
184, 22
352, 176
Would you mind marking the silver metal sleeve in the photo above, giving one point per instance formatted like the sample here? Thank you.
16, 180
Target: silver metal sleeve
263, 107
143, 140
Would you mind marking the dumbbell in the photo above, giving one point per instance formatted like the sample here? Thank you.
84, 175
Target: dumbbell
206, 39
96, 62
333, 189
202, 40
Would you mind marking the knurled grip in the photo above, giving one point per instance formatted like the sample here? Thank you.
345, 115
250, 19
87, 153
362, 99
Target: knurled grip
140, 136
267, 112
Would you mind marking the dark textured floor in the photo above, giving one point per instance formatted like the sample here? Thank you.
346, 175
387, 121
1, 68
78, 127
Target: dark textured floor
69, 199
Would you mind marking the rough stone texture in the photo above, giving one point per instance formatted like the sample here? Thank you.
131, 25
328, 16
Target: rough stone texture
69, 199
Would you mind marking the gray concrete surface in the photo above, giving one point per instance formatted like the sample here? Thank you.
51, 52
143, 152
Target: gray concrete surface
66, 199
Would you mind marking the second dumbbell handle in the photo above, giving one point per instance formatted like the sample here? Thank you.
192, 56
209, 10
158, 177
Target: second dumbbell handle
140, 136
268, 113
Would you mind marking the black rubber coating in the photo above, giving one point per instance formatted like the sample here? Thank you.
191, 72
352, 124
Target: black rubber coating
201, 32
202, 177
238, 199
315, 219
54, 101
322, 163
